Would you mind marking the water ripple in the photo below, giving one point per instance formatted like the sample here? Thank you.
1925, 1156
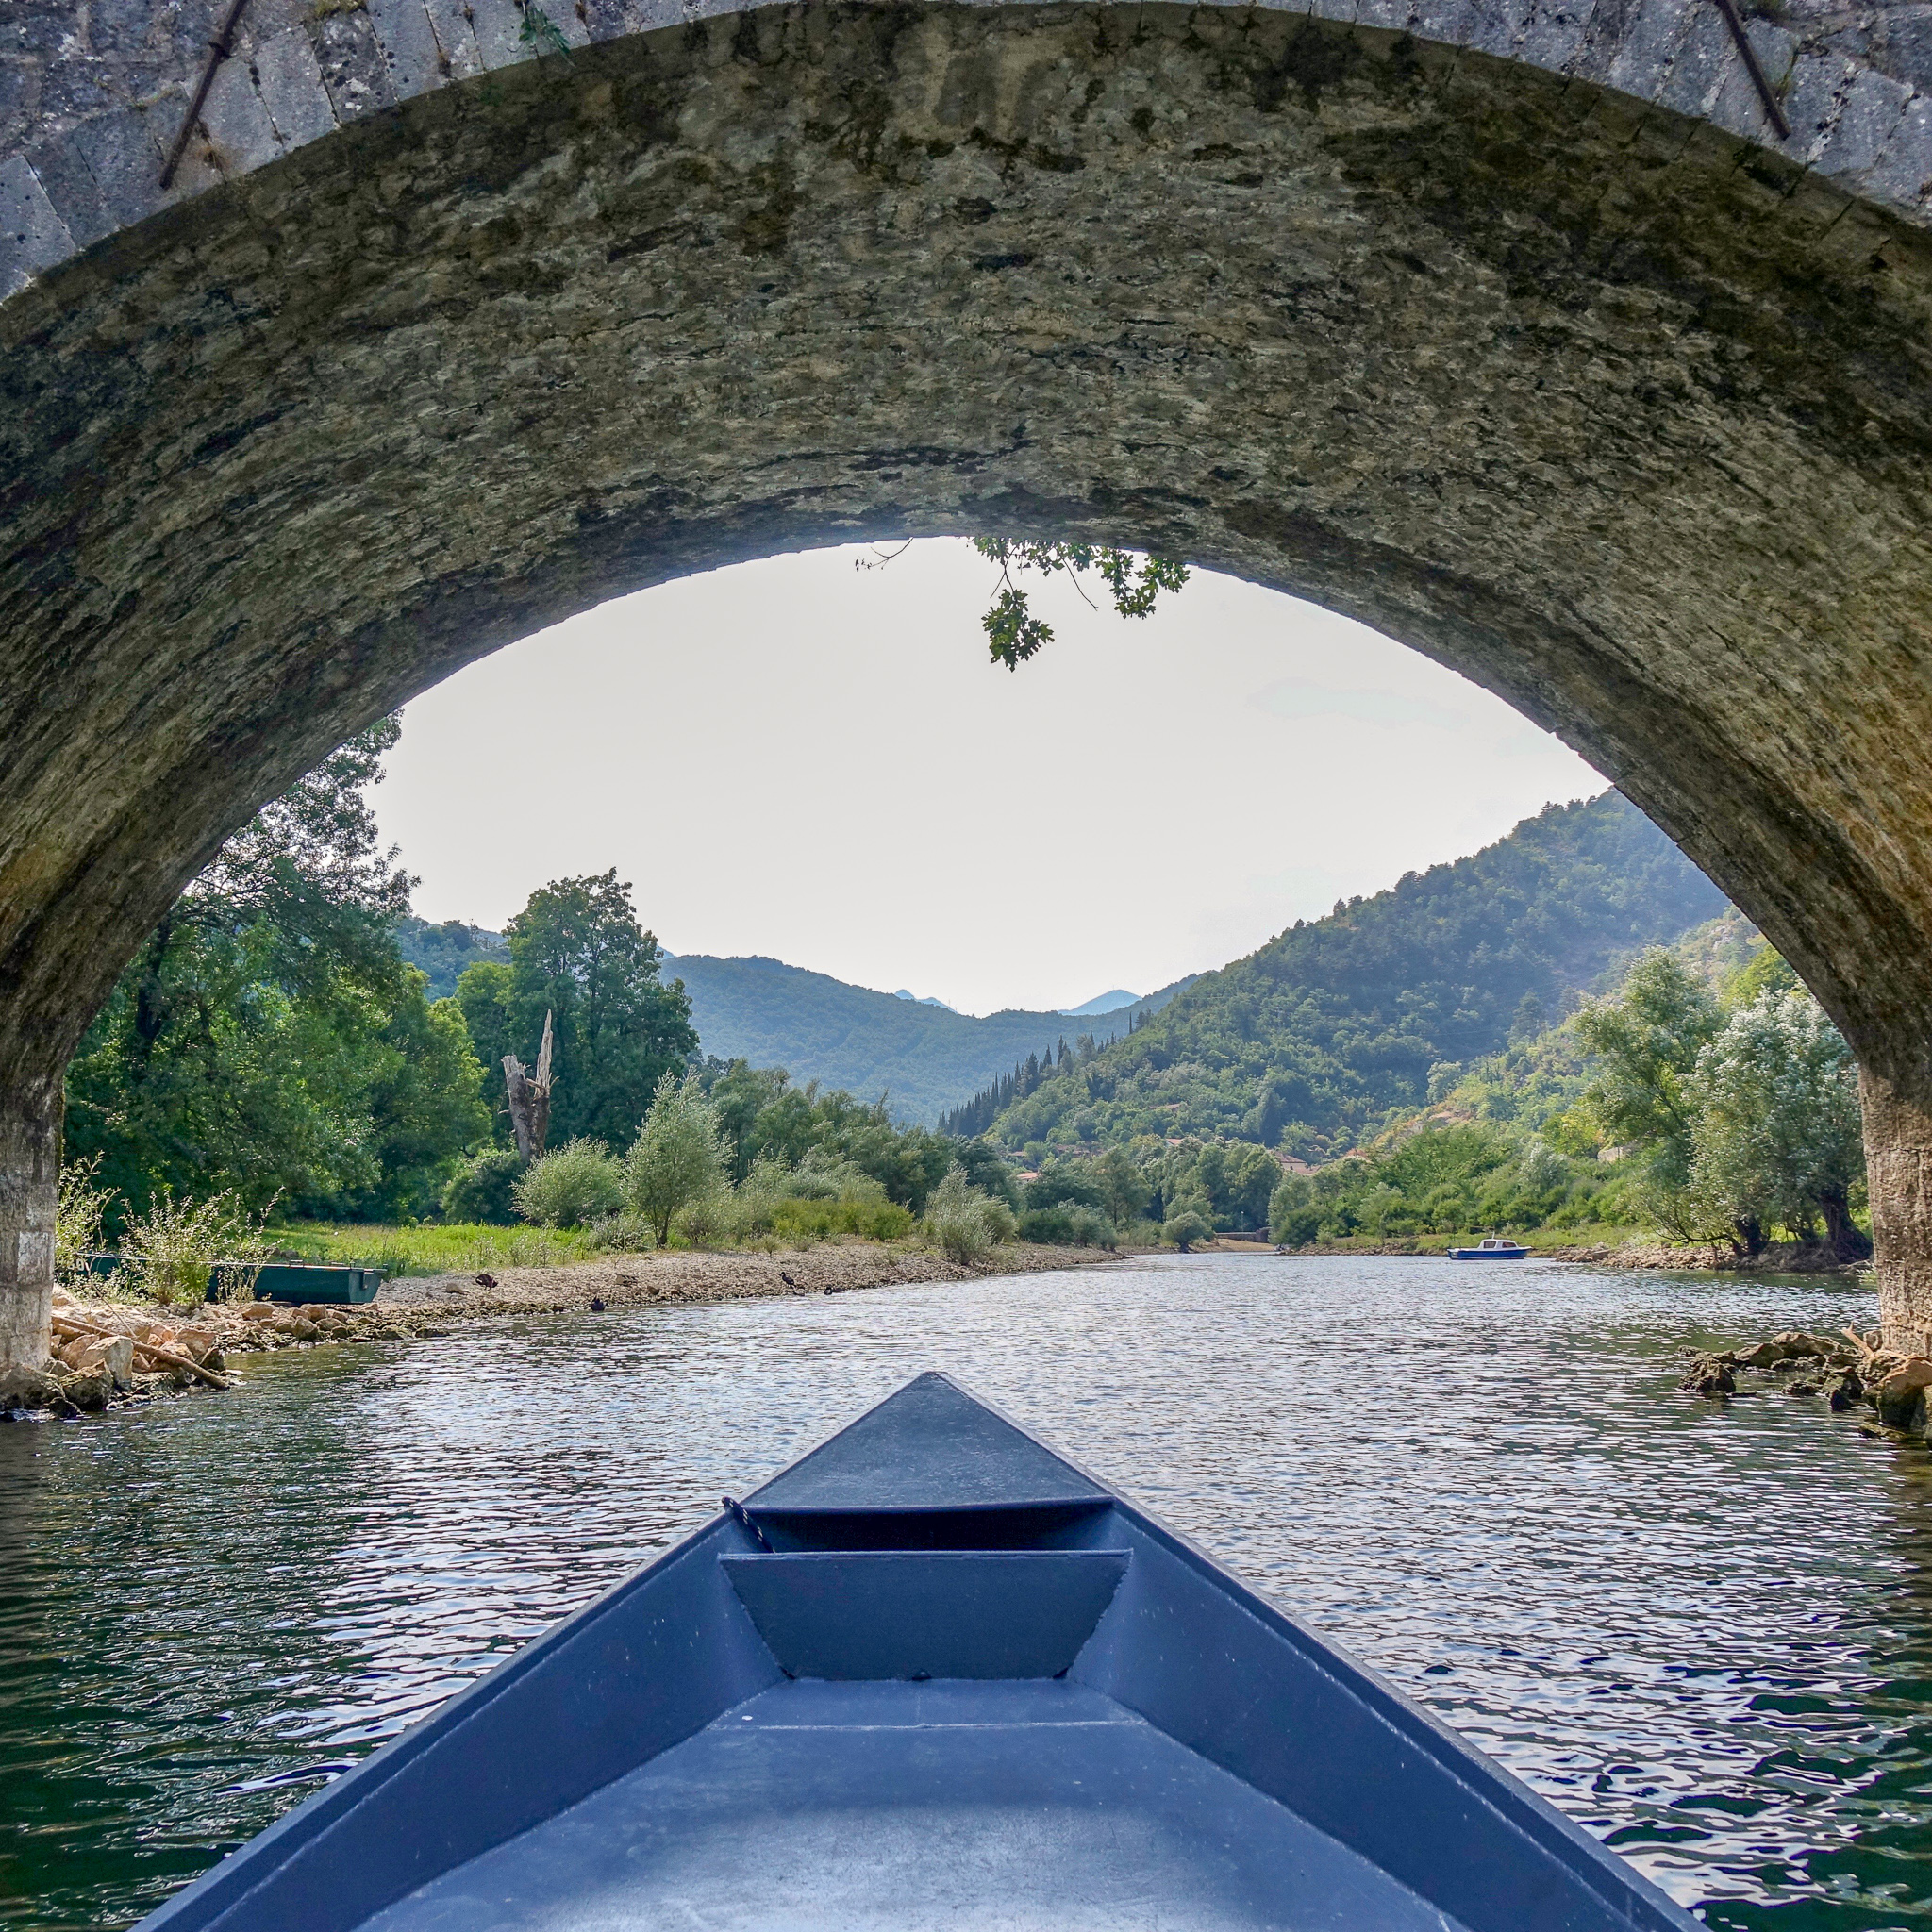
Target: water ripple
1705, 1632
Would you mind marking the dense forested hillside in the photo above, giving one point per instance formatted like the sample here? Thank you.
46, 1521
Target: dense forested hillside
1312, 1041
922, 1059
442, 952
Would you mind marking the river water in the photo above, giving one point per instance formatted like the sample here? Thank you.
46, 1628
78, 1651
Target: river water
1703, 1630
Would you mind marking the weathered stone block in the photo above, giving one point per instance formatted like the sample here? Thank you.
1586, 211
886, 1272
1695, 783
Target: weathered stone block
38, 30
1443, 22
20, 102
1603, 34
1390, 14
288, 78
352, 66
1738, 107
32, 236
1553, 35
455, 38
498, 26
1704, 57
1902, 171
1872, 111
1647, 46
75, 89
604, 20
1812, 99
1900, 42
238, 126
1495, 28
106, 174
409, 46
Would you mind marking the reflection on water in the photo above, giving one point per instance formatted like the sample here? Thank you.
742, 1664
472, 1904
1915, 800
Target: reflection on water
1705, 1632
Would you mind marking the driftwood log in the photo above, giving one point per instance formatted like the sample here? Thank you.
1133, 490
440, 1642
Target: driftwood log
66, 1324
529, 1098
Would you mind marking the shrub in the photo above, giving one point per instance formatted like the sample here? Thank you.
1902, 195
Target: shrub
171, 1251
1185, 1228
1067, 1184
818, 1220
677, 1158
1051, 1226
1090, 1228
625, 1233
1297, 1226
708, 1221
1068, 1224
822, 1176
1294, 1216
77, 1217
575, 1185
963, 1223
483, 1189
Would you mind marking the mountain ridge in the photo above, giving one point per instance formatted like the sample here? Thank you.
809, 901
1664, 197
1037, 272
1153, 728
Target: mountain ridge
924, 1059
1316, 1037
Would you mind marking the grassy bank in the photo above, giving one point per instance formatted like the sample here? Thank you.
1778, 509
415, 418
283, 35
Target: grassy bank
478, 1247
443, 1248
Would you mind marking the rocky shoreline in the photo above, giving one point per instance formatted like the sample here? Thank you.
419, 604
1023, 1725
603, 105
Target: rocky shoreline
1848, 1370
116, 1355
1785, 1258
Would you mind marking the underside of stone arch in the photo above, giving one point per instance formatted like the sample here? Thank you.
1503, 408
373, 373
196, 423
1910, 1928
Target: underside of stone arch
1619, 416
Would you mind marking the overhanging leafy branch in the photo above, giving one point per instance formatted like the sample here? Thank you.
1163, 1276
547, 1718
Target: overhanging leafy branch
1014, 633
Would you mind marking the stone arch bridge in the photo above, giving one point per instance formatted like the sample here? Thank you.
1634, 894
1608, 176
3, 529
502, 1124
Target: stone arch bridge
1514, 328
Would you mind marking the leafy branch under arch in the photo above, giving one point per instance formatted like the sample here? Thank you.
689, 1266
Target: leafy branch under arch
1014, 633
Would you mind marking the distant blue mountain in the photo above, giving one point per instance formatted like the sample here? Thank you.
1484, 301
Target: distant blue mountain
1102, 1003
923, 1057
927, 1000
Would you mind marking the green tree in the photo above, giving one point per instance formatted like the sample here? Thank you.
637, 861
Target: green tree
908, 1162
678, 1157
1067, 1183
426, 1108
1128, 1190
1766, 971
1779, 1136
577, 952
1648, 1037
269, 1039
740, 1095
483, 996
986, 1173
1185, 1227
1294, 1216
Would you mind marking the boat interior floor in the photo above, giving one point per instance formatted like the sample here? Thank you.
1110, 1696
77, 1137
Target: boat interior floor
970, 1805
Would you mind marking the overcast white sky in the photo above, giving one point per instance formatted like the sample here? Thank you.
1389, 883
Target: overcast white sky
797, 759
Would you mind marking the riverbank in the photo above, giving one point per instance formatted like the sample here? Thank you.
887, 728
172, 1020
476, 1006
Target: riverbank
691, 1276
117, 1354
1778, 1257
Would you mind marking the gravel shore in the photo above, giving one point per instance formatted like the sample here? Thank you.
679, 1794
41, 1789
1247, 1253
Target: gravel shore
626, 1281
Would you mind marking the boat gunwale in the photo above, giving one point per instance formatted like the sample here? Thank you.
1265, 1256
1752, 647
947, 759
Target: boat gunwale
1452, 1751
1508, 1798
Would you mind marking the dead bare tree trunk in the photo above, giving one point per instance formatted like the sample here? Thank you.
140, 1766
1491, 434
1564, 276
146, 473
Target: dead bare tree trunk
529, 1098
